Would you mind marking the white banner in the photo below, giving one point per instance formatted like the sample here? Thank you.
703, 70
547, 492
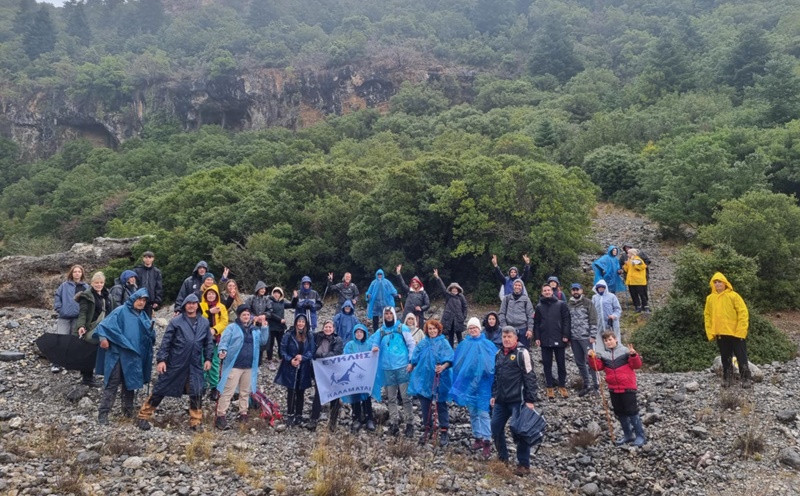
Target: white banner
344, 375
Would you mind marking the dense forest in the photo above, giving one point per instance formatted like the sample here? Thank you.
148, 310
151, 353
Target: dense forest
685, 110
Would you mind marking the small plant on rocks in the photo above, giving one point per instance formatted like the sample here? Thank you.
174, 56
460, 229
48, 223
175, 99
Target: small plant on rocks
750, 443
200, 448
336, 470
71, 482
730, 400
400, 448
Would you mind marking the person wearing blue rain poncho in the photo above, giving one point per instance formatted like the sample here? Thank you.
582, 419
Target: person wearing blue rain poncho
396, 346
607, 267
381, 294
126, 353
473, 374
345, 321
431, 378
362, 403
238, 349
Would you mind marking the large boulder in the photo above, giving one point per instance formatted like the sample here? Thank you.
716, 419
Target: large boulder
755, 371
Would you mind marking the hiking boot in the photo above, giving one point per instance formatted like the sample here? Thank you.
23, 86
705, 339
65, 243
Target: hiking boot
197, 428
563, 392
91, 382
583, 392
127, 412
242, 419
551, 394
221, 423
102, 418
143, 424
486, 451
311, 425
627, 431
272, 366
332, 423
214, 395
55, 369
522, 471
478, 444
638, 310
646, 309
394, 429
638, 429
355, 427
370, 425
444, 438
409, 432
747, 383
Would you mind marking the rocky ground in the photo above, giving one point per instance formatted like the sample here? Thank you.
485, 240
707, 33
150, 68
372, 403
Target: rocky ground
702, 440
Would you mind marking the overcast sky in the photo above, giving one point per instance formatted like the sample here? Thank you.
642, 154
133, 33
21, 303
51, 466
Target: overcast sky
54, 2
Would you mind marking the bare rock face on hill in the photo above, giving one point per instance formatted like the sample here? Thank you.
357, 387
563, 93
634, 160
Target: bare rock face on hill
31, 281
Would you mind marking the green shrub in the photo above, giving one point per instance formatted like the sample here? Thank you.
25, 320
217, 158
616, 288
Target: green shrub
675, 338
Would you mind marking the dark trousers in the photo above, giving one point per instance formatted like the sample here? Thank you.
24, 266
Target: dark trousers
561, 364
639, 296
115, 381
362, 410
624, 404
453, 331
728, 347
316, 405
580, 348
195, 402
522, 336
376, 322
294, 401
275, 336
442, 414
500, 415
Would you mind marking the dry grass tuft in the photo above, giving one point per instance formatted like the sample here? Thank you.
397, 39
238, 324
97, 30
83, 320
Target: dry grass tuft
71, 482
750, 443
730, 400
499, 469
200, 448
119, 445
48, 443
337, 469
582, 439
401, 448
238, 463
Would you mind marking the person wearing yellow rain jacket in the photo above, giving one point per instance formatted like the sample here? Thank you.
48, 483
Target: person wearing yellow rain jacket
636, 280
727, 319
214, 310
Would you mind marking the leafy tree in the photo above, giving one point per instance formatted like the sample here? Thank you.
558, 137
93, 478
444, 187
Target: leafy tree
418, 100
779, 89
40, 37
615, 169
24, 17
150, 15
77, 23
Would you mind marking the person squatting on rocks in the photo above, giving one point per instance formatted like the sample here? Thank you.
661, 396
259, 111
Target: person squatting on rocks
430, 380
65, 305
473, 375
514, 387
636, 279
396, 346
455, 310
238, 351
212, 309
277, 324
607, 267
150, 278
183, 357
551, 330
619, 364
307, 301
583, 329
517, 311
191, 284
295, 371
381, 294
507, 282
417, 300
345, 290
361, 403
608, 310
94, 306
326, 344
727, 321
125, 356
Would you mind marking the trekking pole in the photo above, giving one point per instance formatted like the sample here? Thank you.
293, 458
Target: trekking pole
434, 413
294, 393
601, 382
216, 404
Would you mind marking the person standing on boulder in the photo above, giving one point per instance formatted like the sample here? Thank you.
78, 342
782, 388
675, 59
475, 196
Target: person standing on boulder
65, 304
507, 282
183, 357
455, 310
345, 289
150, 278
126, 343
727, 321
417, 300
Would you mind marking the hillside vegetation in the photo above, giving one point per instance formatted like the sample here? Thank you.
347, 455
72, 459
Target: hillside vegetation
685, 110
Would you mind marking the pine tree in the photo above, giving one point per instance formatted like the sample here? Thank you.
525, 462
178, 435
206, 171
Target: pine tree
545, 134
77, 23
150, 15
41, 36
23, 19
669, 58
779, 88
747, 59
553, 53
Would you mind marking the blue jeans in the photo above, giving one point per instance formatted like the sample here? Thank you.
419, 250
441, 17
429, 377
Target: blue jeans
479, 419
442, 414
580, 349
547, 363
500, 415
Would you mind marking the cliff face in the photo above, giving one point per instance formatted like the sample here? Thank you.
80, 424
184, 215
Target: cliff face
42, 121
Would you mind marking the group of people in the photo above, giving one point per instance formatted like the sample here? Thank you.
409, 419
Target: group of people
626, 271
216, 341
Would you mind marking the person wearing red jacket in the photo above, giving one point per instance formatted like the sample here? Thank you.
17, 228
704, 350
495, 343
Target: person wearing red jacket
620, 364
